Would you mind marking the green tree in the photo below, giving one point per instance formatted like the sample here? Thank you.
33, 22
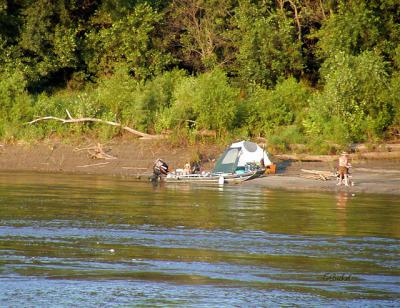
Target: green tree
129, 40
352, 104
266, 43
352, 30
48, 38
199, 29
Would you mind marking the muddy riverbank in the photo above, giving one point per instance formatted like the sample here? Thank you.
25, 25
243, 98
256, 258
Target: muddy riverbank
368, 176
134, 158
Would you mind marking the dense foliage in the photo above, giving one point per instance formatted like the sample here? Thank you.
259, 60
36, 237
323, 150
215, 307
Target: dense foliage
323, 73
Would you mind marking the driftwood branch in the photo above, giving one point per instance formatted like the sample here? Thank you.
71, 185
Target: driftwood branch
323, 175
93, 165
96, 152
78, 120
314, 177
134, 168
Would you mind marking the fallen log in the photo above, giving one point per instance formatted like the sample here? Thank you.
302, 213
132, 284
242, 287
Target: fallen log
314, 177
310, 177
97, 152
93, 165
78, 120
322, 174
322, 177
135, 168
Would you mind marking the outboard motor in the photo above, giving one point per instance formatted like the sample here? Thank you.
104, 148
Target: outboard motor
160, 168
195, 168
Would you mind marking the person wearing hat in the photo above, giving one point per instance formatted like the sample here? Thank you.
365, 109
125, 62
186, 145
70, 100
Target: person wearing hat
344, 166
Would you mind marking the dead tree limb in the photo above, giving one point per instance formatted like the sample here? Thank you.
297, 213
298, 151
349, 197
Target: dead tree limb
93, 165
78, 120
97, 152
321, 174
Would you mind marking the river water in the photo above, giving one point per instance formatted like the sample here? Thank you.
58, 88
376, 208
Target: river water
91, 241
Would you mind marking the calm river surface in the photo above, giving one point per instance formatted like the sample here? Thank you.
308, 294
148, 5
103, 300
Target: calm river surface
90, 241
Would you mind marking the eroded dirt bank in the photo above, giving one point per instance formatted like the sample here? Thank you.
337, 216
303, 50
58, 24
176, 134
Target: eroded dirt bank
134, 158
125, 158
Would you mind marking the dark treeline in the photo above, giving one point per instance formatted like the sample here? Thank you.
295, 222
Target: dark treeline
317, 72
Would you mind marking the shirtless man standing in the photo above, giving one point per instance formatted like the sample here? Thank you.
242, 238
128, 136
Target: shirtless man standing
344, 166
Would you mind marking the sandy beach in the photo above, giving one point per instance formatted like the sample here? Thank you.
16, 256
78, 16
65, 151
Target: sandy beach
374, 177
134, 159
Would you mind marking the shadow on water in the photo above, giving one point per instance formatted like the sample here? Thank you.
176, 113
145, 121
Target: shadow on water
72, 239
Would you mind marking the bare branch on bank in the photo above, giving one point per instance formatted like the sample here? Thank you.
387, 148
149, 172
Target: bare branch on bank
94, 165
96, 152
79, 120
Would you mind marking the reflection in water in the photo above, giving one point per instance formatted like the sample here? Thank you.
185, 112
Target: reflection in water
65, 240
342, 198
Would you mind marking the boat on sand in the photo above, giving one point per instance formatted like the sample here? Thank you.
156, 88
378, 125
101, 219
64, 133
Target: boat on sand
241, 161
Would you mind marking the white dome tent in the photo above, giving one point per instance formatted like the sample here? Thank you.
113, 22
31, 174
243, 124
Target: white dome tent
241, 155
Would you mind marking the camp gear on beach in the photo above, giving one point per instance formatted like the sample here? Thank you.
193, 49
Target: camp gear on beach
241, 161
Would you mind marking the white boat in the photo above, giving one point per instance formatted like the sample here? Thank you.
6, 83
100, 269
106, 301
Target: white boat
214, 178
242, 161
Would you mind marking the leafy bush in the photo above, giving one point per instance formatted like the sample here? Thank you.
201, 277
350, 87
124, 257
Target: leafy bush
118, 98
320, 146
15, 104
286, 138
276, 144
116, 95
215, 101
205, 102
394, 97
352, 105
133, 103
266, 111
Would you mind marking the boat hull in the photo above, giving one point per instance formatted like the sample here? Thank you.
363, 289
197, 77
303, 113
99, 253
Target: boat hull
214, 178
